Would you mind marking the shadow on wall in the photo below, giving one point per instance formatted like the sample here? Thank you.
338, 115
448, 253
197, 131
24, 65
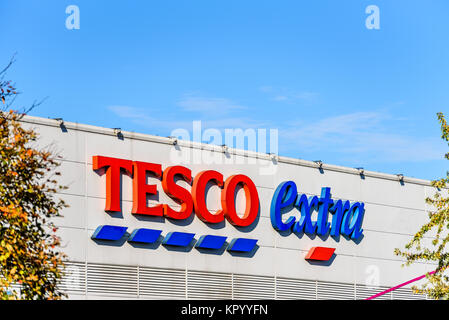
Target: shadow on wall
322, 263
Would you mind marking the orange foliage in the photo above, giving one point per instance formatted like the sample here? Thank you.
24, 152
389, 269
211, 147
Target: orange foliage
29, 249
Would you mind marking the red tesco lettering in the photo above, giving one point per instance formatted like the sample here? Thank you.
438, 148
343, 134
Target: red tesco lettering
194, 200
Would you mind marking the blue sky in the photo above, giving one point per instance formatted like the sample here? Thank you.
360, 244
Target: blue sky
335, 90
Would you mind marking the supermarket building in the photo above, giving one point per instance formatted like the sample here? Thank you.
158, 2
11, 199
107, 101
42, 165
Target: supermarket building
143, 226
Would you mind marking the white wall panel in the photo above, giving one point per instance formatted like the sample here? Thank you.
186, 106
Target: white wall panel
75, 216
311, 180
107, 145
291, 264
74, 242
73, 176
387, 272
382, 191
70, 144
393, 219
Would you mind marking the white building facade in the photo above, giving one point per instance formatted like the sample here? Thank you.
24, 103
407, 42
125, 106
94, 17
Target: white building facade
275, 268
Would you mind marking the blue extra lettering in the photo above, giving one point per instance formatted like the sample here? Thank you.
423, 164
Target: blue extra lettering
352, 220
323, 212
346, 218
338, 210
306, 206
284, 197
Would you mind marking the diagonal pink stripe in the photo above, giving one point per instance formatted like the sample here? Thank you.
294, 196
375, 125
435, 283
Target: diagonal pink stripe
398, 286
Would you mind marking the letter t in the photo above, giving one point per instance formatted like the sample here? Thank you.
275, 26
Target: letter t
113, 166
323, 212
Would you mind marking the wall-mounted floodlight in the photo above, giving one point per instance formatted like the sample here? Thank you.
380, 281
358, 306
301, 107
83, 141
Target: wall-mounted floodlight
224, 148
361, 171
273, 156
61, 124
400, 177
118, 133
173, 140
60, 121
319, 163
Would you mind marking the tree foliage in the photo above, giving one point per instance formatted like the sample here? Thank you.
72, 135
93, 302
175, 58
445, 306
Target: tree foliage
30, 257
437, 284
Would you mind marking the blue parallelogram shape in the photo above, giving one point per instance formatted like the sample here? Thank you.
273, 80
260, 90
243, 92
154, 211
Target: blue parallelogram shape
210, 242
144, 235
180, 239
242, 245
109, 232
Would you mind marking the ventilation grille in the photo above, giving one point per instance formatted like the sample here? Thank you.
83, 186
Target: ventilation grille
287, 289
335, 291
111, 280
253, 287
407, 294
73, 278
158, 283
207, 285
162, 283
363, 292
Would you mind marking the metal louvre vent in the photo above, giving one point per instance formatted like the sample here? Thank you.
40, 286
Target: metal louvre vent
335, 291
407, 294
207, 285
253, 287
112, 280
295, 289
162, 283
73, 278
363, 292
159, 283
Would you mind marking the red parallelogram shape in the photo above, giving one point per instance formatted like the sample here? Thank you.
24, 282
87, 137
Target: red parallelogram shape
320, 253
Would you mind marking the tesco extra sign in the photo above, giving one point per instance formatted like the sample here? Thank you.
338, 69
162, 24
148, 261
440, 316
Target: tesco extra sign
346, 218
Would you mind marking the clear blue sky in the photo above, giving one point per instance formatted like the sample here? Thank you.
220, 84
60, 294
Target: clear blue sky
335, 90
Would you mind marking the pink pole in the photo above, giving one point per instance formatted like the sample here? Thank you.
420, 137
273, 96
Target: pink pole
398, 286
